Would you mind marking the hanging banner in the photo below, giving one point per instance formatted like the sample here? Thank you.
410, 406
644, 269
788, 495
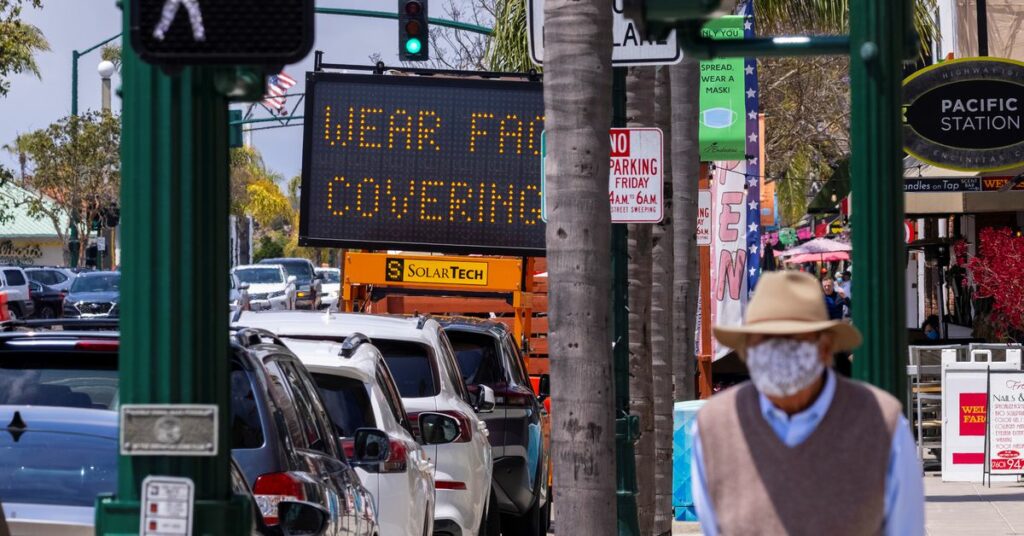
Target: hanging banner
1005, 423
753, 154
723, 97
729, 252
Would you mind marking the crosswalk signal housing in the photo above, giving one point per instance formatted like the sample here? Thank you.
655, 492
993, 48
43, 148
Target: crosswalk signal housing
413, 31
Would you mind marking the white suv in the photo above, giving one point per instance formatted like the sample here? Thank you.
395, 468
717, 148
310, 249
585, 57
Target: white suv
14, 282
359, 392
426, 373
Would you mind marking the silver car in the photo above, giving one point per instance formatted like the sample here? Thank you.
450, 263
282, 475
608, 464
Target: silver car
269, 286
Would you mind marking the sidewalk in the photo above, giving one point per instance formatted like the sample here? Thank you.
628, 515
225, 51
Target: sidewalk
957, 509
964, 508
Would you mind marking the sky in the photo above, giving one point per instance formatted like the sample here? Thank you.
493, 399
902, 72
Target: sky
69, 25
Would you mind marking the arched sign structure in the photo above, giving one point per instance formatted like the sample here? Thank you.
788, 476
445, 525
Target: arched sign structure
966, 115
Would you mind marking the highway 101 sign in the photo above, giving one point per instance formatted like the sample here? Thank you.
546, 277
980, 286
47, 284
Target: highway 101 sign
966, 114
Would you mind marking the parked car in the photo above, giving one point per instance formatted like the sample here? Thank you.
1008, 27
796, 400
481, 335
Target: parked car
359, 391
330, 286
520, 427
280, 433
94, 294
54, 276
307, 283
48, 301
284, 441
427, 376
269, 286
238, 295
14, 282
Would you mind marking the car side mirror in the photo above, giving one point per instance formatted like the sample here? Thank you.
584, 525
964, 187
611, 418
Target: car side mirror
371, 446
438, 428
484, 400
544, 387
301, 518
243, 286
291, 279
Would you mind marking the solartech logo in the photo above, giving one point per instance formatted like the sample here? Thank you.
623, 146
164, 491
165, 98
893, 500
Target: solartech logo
441, 272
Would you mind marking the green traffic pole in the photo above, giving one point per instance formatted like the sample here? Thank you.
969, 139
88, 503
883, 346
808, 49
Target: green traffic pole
175, 349
627, 426
878, 29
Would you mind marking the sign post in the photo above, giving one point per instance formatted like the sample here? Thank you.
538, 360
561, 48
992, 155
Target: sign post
174, 351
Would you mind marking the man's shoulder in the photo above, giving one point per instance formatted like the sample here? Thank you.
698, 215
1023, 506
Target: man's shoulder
725, 400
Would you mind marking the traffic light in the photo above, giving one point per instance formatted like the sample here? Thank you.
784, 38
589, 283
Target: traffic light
188, 32
656, 18
413, 31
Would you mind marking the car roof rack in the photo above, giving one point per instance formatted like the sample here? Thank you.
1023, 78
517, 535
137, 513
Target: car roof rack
421, 320
252, 336
351, 343
74, 323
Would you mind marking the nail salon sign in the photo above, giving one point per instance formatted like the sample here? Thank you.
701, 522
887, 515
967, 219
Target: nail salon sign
966, 115
723, 95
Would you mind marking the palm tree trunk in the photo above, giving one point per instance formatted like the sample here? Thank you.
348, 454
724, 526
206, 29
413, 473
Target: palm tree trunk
661, 323
578, 105
640, 113
685, 82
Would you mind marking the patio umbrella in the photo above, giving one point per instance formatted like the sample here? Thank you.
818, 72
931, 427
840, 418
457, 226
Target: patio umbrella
818, 257
817, 246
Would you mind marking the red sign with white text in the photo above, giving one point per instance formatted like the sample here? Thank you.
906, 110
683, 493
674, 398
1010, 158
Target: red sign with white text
972, 414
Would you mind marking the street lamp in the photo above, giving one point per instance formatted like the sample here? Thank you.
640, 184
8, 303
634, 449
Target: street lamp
106, 69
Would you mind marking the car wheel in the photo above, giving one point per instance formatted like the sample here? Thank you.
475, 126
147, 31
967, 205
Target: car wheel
529, 524
11, 313
490, 525
47, 312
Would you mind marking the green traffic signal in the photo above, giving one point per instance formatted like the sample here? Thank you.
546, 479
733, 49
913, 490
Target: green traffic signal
413, 45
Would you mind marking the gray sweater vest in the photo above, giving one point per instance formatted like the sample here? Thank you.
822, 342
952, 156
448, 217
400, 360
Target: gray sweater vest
831, 484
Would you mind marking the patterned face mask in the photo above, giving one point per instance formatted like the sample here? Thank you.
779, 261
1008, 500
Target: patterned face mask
782, 367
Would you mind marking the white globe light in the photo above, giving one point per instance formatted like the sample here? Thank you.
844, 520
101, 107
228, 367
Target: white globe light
106, 69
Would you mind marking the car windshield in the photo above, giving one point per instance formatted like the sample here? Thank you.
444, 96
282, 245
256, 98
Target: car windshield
259, 276
477, 356
97, 283
300, 269
330, 276
348, 403
63, 379
411, 366
56, 468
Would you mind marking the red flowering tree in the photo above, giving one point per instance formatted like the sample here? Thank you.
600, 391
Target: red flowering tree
998, 274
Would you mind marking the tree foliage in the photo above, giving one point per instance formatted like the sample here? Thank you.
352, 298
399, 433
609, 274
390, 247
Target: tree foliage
19, 42
71, 170
509, 50
998, 275
254, 189
806, 100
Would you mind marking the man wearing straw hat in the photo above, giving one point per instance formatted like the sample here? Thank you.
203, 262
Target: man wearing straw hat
799, 449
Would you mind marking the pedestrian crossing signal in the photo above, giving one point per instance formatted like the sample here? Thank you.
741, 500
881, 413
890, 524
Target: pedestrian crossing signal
413, 31
224, 32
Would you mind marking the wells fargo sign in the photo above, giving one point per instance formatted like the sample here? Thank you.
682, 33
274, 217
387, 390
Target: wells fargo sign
966, 114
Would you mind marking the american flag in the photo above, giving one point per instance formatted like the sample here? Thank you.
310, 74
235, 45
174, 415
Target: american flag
277, 87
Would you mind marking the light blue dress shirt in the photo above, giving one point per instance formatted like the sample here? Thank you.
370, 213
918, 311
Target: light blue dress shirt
904, 487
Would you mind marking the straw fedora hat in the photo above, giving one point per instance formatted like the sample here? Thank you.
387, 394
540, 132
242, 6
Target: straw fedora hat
788, 303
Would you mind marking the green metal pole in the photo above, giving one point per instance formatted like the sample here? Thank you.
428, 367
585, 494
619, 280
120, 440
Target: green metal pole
74, 81
458, 25
877, 32
627, 427
174, 348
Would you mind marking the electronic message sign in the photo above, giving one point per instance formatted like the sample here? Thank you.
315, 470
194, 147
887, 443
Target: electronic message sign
424, 164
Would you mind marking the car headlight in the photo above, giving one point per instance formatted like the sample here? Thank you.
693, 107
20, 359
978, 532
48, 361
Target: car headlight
302, 294
276, 294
